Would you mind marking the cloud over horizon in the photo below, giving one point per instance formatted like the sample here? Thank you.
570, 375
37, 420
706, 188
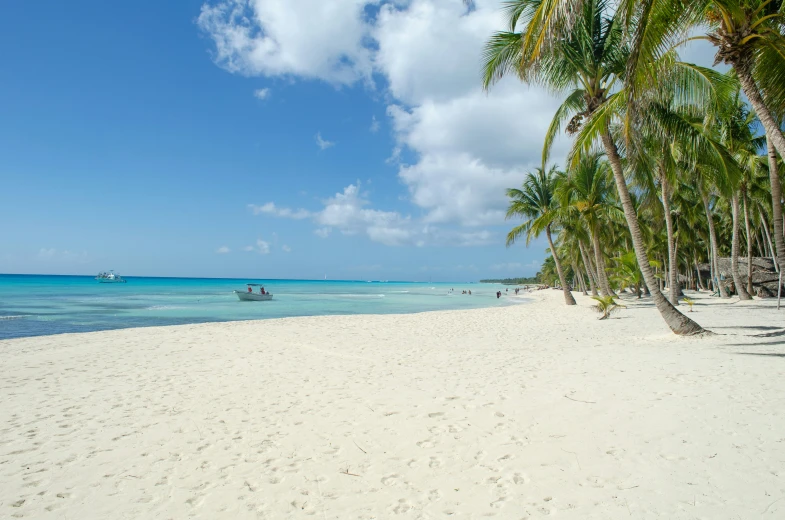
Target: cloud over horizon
464, 146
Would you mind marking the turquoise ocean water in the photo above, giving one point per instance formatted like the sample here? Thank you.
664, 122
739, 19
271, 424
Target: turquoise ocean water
35, 305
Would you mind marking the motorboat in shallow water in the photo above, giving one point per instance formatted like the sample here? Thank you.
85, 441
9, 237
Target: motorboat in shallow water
110, 277
250, 296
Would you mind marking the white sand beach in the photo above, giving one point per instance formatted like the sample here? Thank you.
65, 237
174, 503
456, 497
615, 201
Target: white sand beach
519, 412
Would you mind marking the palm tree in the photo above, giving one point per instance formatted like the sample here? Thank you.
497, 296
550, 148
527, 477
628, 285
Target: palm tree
606, 306
587, 191
534, 202
776, 204
735, 133
571, 241
748, 35
588, 57
627, 273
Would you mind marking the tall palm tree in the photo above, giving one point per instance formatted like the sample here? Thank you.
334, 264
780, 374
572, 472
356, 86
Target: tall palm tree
735, 133
748, 35
588, 58
535, 202
587, 191
776, 203
574, 236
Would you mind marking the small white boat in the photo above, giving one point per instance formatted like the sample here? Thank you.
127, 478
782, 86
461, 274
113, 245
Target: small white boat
110, 277
250, 296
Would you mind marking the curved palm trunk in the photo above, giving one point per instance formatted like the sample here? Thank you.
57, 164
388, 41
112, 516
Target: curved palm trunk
568, 299
734, 251
765, 116
673, 265
749, 243
776, 205
589, 269
698, 272
579, 277
715, 266
712, 283
678, 322
605, 287
768, 241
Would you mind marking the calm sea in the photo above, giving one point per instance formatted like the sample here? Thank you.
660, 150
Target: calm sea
36, 305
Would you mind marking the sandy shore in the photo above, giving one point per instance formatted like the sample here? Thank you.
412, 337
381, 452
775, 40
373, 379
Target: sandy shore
517, 412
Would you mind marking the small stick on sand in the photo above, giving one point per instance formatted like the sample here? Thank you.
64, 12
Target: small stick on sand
359, 448
346, 472
579, 401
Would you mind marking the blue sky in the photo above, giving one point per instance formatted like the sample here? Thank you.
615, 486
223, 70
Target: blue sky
239, 138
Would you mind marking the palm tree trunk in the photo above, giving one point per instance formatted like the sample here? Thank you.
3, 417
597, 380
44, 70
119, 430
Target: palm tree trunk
698, 272
678, 322
673, 269
734, 254
776, 206
773, 132
749, 243
568, 299
599, 260
762, 252
579, 277
589, 269
768, 240
715, 266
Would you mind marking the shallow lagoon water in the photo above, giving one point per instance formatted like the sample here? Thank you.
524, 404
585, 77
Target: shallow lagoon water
35, 305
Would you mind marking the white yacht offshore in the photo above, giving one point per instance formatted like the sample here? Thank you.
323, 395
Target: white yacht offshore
110, 277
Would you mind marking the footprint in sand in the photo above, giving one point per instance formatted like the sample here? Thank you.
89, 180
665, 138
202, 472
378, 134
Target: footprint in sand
434, 495
499, 503
390, 480
403, 507
435, 463
435, 415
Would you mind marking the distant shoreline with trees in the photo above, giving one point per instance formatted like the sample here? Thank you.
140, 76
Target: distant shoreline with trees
513, 281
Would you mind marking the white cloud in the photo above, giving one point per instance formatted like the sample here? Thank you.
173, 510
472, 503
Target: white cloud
248, 248
350, 213
323, 144
374, 125
262, 93
312, 39
262, 247
222, 250
286, 249
467, 145
322, 232
271, 209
